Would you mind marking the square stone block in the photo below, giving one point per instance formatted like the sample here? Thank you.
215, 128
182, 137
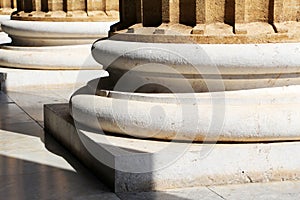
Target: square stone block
128, 164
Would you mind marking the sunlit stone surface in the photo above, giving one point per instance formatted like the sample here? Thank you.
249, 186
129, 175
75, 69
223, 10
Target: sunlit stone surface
6, 8
212, 21
52, 28
220, 78
202, 48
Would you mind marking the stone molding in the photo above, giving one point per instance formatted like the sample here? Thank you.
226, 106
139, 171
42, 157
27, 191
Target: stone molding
67, 10
272, 111
210, 21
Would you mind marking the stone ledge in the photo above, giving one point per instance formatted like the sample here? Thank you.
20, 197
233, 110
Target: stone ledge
61, 16
69, 57
21, 78
37, 33
224, 163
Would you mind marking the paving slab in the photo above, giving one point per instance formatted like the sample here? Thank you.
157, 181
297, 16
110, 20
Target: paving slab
262, 191
11, 114
4, 98
196, 193
32, 101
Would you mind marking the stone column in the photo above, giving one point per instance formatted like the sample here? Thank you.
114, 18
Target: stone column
202, 71
58, 24
200, 46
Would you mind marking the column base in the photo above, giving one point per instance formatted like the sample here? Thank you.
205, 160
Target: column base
199, 67
258, 115
68, 57
36, 33
222, 164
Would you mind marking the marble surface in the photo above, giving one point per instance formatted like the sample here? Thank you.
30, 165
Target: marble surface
34, 166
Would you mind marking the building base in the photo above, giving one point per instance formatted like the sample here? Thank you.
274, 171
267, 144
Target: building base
131, 165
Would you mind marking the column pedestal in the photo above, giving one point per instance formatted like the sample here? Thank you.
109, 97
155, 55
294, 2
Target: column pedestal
197, 165
6, 9
198, 93
54, 35
51, 45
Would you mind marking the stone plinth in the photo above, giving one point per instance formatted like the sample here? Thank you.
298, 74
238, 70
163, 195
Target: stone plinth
186, 72
44, 16
198, 165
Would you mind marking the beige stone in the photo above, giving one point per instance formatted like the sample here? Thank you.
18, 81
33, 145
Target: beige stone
214, 21
132, 165
67, 27
7, 6
68, 10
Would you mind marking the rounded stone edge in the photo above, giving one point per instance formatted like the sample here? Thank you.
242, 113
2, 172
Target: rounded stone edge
279, 104
229, 58
33, 33
75, 57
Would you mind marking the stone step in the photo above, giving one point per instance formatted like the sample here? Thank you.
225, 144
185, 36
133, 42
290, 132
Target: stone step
132, 165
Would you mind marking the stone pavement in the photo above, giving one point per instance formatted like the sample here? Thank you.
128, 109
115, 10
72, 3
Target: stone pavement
34, 166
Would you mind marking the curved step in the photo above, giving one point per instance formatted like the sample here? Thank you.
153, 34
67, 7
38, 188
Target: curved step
202, 67
269, 114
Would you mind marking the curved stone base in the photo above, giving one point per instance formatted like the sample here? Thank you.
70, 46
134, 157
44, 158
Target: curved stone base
4, 39
53, 57
3, 18
34, 33
198, 165
199, 66
269, 114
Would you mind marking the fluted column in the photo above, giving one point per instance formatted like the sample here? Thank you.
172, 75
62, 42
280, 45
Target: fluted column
216, 21
7, 6
67, 10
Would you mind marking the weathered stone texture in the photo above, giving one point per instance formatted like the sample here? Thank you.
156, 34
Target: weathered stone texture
67, 10
7, 6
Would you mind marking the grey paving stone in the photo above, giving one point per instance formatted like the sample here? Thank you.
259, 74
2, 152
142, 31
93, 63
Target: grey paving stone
260, 191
